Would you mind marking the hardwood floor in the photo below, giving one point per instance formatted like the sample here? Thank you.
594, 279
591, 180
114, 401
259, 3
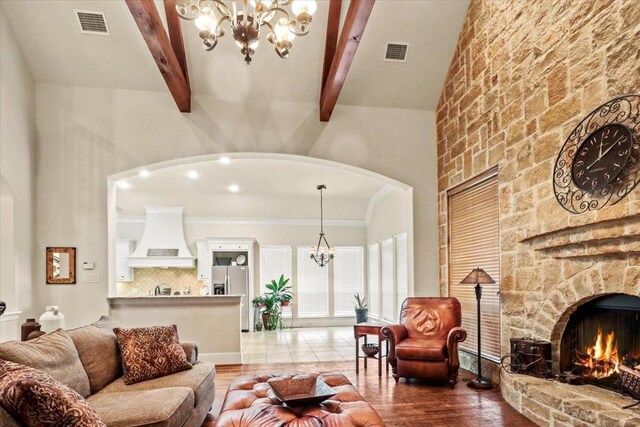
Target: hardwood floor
410, 404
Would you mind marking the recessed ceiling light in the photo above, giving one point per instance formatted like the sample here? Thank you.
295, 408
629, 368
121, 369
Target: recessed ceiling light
193, 175
234, 188
144, 173
225, 160
123, 185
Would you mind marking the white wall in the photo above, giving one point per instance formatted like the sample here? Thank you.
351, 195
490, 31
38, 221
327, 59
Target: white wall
390, 216
17, 153
87, 134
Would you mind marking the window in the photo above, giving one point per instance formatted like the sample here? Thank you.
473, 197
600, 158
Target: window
312, 287
274, 261
402, 272
386, 279
348, 278
474, 242
374, 281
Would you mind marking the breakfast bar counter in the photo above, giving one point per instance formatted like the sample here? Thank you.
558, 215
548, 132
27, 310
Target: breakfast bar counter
212, 321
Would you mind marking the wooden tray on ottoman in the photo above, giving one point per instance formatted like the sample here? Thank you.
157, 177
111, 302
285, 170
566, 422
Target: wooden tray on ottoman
301, 390
251, 401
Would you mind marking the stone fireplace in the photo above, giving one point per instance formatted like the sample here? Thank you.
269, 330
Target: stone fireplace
599, 336
524, 74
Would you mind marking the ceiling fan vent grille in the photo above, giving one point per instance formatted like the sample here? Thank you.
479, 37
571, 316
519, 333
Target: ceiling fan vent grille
92, 22
396, 52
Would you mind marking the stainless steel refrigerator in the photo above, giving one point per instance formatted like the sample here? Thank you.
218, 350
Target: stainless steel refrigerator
236, 282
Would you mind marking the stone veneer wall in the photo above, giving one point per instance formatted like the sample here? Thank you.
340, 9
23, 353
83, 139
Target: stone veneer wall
523, 75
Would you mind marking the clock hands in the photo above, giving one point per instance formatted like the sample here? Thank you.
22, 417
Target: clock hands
601, 156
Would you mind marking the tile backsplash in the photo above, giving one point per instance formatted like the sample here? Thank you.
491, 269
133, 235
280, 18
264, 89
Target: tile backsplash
146, 279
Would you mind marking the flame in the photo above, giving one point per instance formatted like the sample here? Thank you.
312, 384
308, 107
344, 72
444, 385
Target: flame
601, 359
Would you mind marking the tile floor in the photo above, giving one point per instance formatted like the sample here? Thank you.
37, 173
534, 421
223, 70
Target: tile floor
299, 345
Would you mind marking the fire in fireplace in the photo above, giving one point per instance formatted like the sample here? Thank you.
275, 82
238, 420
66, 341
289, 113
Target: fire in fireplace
601, 359
602, 335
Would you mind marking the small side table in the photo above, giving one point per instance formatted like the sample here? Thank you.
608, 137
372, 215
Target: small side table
371, 328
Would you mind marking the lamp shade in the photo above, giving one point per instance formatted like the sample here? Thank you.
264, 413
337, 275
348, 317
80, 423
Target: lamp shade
476, 276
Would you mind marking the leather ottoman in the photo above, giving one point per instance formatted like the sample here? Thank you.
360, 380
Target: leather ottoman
250, 401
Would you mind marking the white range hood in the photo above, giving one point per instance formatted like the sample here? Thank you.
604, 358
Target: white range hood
163, 243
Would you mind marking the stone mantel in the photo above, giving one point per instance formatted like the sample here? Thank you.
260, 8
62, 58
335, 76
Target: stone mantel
612, 237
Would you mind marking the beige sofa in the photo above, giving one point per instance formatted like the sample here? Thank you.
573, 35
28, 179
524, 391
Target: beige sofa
181, 399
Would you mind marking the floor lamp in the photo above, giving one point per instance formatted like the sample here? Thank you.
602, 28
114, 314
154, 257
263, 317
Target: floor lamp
478, 277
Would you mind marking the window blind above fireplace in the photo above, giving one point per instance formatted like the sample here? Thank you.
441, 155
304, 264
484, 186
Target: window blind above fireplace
474, 242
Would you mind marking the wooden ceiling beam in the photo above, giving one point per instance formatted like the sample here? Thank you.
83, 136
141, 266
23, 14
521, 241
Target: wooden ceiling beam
333, 30
175, 35
352, 30
148, 20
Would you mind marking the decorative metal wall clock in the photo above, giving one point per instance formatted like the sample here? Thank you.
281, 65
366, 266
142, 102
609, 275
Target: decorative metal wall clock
599, 163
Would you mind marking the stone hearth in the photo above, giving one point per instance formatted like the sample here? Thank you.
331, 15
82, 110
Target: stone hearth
550, 403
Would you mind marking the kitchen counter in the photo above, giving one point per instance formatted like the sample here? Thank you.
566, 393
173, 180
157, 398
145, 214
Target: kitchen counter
211, 321
176, 299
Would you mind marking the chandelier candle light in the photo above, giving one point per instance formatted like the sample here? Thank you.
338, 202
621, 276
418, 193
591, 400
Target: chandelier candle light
322, 255
245, 21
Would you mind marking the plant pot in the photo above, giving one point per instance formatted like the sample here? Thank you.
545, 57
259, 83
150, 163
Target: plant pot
361, 315
265, 320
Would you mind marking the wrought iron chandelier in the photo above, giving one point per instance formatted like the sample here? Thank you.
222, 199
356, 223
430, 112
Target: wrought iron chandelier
282, 25
322, 254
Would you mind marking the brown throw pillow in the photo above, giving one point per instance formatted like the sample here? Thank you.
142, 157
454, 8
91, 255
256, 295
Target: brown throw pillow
35, 399
52, 353
98, 350
150, 352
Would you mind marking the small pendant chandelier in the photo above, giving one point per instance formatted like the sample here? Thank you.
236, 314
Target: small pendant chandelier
322, 254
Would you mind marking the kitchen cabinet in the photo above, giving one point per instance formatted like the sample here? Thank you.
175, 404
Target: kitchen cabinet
124, 248
204, 260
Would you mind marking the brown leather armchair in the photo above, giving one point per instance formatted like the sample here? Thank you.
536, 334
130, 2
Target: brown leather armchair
425, 343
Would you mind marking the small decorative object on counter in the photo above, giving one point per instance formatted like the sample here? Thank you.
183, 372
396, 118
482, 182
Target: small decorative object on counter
51, 319
27, 327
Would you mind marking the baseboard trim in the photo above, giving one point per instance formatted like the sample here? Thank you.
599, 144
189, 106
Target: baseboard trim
222, 358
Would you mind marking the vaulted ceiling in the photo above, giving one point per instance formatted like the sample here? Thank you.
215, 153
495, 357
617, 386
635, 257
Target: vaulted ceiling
58, 53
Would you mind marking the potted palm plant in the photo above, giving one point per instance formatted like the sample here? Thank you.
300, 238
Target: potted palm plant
281, 290
362, 311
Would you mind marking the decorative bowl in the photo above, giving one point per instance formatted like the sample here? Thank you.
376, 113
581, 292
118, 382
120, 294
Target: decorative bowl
301, 390
370, 349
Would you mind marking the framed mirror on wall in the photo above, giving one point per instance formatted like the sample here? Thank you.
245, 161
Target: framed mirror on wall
61, 266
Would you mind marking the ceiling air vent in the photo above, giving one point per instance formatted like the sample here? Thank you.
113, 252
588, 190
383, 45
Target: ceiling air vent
92, 22
396, 52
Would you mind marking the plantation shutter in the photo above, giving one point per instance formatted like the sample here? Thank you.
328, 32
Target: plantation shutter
386, 279
402, 273
312, 289
348, 278
374, 281
474, 242
274, 261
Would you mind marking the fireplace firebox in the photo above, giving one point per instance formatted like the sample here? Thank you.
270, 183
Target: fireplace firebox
600, 336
